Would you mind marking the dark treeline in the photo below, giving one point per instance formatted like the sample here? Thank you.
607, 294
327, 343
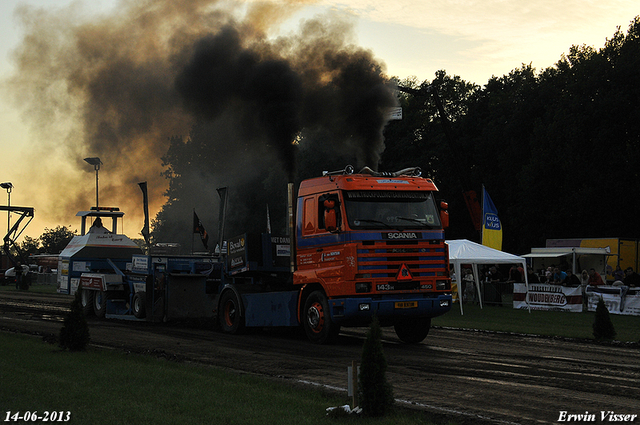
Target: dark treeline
558, 151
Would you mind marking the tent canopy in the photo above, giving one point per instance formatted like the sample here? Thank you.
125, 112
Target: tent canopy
463, 251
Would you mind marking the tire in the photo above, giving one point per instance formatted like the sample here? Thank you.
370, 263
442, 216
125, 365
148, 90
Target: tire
231, 320
138, 306
316, 320
413, 330
86, 298
100, 304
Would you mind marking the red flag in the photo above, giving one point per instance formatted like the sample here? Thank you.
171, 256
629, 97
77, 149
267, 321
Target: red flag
199, 228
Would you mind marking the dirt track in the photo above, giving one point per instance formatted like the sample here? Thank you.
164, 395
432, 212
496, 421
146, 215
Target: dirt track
469, 376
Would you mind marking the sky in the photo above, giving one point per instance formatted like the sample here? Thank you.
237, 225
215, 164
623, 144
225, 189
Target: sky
43, 149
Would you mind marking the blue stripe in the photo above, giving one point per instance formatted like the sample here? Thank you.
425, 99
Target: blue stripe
349, 237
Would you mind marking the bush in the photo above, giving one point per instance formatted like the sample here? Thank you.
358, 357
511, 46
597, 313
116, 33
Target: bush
376, 394
74, 334
603, 329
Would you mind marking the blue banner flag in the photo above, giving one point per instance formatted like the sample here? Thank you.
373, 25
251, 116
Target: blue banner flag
491, 225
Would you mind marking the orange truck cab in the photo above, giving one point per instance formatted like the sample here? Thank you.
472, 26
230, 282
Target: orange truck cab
370, 244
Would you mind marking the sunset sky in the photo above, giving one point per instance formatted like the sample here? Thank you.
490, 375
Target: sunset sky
43, 150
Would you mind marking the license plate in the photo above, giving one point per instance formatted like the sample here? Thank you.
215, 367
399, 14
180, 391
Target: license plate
406, 304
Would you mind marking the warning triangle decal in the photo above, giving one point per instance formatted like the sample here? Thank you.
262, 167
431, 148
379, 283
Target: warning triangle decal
404, 273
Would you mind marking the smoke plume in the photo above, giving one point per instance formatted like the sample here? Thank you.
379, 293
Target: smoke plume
123, 86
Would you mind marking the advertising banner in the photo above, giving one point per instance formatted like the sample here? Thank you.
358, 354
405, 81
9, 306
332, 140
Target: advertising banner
618, 299
491, 227
547, 297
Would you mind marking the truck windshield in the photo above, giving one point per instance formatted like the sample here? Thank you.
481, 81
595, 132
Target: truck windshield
391, 210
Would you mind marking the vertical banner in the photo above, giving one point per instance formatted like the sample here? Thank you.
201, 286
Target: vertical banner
491, 225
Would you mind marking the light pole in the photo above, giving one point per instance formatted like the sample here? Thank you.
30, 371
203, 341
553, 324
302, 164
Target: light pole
8, 186
95, 161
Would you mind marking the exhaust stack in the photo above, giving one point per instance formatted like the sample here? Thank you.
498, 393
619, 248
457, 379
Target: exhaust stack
292, 223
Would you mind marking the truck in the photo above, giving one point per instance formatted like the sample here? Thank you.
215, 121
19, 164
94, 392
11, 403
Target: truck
359, 245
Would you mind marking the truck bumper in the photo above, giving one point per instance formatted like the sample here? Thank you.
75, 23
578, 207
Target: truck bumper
357, 311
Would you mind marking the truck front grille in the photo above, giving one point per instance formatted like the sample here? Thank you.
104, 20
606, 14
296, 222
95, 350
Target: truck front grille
381, 260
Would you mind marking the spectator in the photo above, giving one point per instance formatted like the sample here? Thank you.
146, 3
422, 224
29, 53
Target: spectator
618, 274
18, 269
584, 278
468, 287
531, 276
548, 275
558, 276
515, 275
632, 278
571, 279
594, 278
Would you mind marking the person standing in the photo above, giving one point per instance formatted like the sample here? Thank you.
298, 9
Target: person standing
18, 269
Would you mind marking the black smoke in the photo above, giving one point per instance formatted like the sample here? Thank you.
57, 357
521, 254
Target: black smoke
263, 108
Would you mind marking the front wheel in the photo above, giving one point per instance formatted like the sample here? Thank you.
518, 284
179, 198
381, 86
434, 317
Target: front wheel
316, 319
138, 306
413, 330
231, 320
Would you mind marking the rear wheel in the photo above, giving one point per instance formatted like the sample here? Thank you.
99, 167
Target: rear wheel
231, 320
316, 319
86, 298
413, 330
100, 304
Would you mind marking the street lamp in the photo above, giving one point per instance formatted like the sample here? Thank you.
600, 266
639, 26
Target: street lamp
8, 186
95, 161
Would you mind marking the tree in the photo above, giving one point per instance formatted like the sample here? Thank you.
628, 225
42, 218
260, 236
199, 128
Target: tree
376, 397
30, 246
603, 329
53, 241
74, 334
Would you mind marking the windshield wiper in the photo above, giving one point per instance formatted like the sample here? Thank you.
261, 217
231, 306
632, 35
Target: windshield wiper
364, 220
414, 220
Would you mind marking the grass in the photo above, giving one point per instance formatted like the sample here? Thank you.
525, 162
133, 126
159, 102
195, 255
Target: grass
547, 323
111, 387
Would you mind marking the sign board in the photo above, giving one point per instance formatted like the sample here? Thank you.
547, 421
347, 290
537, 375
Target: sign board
547, 297
618, 299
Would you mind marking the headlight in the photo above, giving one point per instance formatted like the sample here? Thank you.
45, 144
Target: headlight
442, 285
364, 307
444, 303
363, 287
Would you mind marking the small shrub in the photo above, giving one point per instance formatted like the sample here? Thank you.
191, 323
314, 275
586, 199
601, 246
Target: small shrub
74, 334
376, 393
603, 329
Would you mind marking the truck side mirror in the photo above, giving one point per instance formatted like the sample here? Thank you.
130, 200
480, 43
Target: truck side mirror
444, 214
330, 218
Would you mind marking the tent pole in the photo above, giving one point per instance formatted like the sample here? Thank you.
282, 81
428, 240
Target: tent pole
476, 276
458, 271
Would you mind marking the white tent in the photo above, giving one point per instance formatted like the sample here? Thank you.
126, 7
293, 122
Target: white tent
463, 251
